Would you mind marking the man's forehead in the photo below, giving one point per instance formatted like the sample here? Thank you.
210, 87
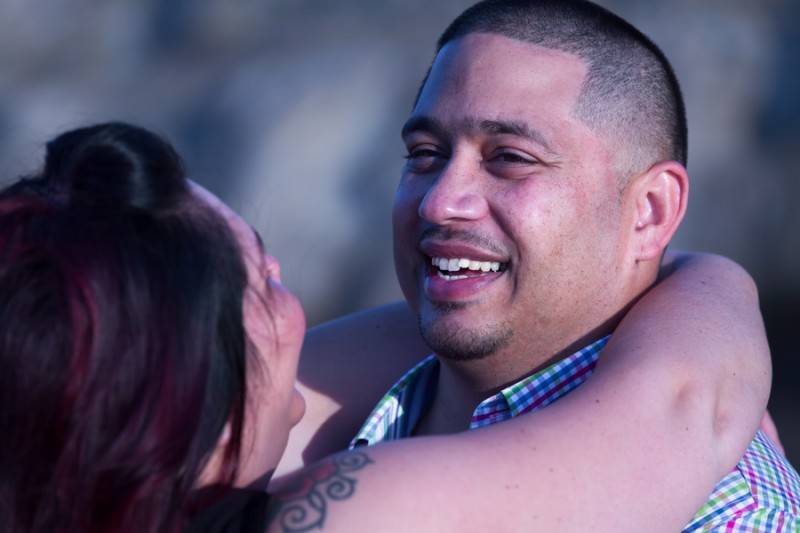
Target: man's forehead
482, 77
484, 51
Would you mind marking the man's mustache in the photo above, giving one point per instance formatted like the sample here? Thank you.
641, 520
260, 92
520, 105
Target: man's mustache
440, 233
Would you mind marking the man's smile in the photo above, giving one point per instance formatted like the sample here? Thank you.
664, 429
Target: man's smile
453, 279
456, 268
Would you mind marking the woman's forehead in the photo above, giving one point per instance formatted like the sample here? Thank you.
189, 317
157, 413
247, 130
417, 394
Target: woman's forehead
248, 238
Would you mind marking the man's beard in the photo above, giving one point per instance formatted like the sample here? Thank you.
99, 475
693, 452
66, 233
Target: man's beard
462, 344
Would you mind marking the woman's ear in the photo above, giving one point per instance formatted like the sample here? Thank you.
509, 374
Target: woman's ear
213, 468
659, 196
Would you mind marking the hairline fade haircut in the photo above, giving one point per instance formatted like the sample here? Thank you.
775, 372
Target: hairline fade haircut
630, 94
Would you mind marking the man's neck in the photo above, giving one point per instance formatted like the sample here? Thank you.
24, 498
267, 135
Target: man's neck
455, 399
463, 385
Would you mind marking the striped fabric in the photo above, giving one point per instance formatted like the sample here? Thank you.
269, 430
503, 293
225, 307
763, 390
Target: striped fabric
398, 412
761, 494
540, 389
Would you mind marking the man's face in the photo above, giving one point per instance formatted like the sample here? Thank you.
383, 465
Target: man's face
507, 219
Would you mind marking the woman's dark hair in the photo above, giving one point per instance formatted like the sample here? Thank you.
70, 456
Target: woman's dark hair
122, 345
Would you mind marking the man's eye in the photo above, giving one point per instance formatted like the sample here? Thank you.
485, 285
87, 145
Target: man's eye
513, 158
424, 152
423, 159
511, 164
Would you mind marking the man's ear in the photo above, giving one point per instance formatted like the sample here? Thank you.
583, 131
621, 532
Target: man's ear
660, 196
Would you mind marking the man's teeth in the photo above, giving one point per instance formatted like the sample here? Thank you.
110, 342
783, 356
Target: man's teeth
457, 263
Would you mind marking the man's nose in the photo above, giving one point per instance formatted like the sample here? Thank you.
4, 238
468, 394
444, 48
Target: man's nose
455, 194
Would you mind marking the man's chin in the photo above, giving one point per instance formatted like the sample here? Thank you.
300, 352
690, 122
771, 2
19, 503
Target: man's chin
459, 343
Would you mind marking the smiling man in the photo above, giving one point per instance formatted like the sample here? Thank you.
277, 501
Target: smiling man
545, 177
530, 213
509, 216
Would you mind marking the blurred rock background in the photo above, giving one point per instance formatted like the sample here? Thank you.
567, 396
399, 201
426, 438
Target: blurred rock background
290, 110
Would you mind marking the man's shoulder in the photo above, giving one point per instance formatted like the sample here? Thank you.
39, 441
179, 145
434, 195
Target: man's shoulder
761, 494
396, 414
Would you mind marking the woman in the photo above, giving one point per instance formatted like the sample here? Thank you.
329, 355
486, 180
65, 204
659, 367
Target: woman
149, 357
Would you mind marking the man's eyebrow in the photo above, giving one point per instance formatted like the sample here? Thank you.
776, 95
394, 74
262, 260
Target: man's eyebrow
423, 123
512, 127
472, 125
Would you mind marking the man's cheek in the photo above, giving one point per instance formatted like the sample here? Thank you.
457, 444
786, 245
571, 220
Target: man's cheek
406, 203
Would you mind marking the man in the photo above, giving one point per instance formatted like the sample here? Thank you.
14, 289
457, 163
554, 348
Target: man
545, 177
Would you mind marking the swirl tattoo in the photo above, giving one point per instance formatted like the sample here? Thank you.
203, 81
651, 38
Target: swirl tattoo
305, 506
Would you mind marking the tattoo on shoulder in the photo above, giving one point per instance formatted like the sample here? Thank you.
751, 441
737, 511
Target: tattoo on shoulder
304, 505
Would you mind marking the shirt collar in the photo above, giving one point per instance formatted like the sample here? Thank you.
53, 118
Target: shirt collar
547, 385
398, 412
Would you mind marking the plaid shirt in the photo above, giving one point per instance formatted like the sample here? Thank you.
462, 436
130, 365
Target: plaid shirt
761, 494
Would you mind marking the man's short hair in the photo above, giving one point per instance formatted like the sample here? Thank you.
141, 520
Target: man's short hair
630, 92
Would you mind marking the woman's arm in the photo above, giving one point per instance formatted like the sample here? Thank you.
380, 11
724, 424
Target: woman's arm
346, 366
349, 363
674, 401
699, 330
676, 397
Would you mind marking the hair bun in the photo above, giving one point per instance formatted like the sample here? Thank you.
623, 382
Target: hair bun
114, 165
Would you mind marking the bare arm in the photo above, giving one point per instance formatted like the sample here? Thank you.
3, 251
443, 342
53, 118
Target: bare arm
676, 397
700, 330
349, 363
345, 368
